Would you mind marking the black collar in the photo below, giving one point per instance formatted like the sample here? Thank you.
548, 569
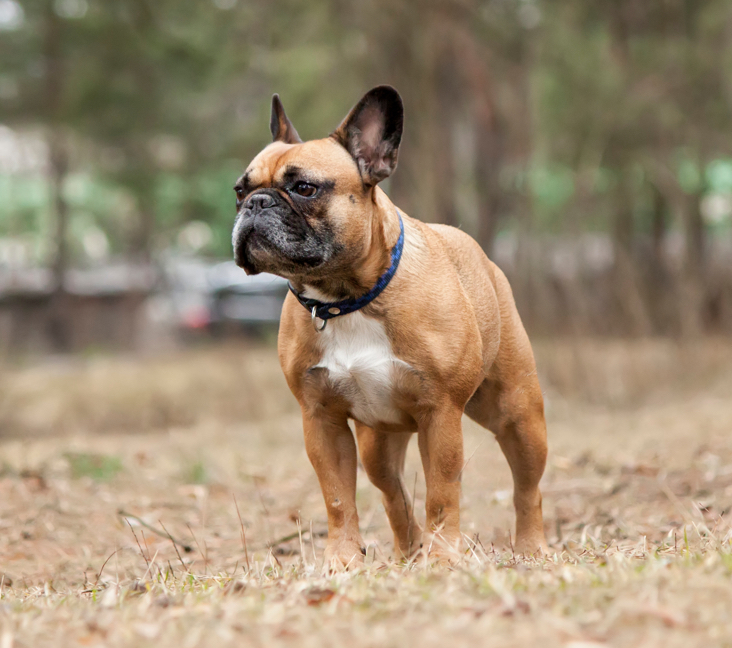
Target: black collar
326, 311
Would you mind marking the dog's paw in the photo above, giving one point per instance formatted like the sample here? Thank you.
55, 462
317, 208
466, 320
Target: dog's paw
406, 551
534, 546
440, 551
344, 555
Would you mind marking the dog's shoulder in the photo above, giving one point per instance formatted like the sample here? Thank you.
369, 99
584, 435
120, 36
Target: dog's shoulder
463, 250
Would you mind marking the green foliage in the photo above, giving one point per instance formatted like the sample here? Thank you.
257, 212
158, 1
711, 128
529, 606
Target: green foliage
690, 176
23, 204
552, 188
196, 473
718, 175
98, 467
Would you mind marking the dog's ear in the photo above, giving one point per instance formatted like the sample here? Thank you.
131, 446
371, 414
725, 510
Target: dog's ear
280, 126
371, 133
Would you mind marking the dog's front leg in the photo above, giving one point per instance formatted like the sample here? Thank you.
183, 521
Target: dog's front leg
441, 447
383, 456
331, 449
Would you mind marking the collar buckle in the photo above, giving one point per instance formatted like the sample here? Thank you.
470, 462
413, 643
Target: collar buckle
314, 316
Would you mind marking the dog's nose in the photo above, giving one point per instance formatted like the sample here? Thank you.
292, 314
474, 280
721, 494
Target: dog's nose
259, 201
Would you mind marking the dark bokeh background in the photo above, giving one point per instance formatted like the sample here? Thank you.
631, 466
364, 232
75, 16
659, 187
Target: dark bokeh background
586, 145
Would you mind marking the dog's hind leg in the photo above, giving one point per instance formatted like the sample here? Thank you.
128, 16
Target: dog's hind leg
382, 455
514, 412
510, 404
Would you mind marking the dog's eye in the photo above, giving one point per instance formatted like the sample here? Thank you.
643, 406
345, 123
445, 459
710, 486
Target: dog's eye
239, 193
305, 189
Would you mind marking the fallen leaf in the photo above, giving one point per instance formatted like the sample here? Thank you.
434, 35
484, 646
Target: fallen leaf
318, 596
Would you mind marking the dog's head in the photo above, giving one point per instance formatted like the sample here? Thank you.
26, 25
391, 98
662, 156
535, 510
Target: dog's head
304, 208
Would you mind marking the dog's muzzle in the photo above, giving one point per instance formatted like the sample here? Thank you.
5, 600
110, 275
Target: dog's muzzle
247, 235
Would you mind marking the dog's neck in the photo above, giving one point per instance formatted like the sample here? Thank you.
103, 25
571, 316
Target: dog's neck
361, 276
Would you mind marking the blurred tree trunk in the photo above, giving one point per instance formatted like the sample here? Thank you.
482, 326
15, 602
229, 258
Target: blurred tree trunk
54, 76
695, 235
658, 227
487, 167
627, 277
143, 236
146, 82
623, 225
693, 284
632, 308
661, 309
489, 142
446, 90
527, 261
140, 249
59, 164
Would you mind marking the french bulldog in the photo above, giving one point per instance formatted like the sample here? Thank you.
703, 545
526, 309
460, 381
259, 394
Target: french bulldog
397, 325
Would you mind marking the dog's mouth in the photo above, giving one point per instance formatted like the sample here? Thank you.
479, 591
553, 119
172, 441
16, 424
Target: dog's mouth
242, 239
266, 246
243, 259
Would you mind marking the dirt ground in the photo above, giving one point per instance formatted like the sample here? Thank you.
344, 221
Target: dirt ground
168, 501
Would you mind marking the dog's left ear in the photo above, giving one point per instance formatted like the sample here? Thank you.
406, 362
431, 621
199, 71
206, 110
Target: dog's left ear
372, 132
280, 126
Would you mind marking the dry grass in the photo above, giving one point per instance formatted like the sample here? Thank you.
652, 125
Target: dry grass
636, 495
104, 394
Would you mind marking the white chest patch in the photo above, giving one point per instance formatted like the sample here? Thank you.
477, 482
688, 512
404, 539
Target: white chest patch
359, 359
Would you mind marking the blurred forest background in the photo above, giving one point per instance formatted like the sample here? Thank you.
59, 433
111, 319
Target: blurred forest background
586, 145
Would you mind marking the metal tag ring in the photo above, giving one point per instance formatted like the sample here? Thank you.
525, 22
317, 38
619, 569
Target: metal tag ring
314, 316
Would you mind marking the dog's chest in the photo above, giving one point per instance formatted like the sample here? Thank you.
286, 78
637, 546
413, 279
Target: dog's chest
361, 365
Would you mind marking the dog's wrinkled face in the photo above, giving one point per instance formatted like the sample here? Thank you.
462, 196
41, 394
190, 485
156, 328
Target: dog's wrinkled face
303, 209
291, 203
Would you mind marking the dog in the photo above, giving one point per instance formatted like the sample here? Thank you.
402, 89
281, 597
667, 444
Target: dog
394, 324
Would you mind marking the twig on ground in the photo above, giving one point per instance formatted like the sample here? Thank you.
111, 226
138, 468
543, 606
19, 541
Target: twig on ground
147, 562
462, 470
243, 534
312, 543
99, 575
292, 536
175, 546
203, 555
302, 546
122, 513
151, 564
261, 499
